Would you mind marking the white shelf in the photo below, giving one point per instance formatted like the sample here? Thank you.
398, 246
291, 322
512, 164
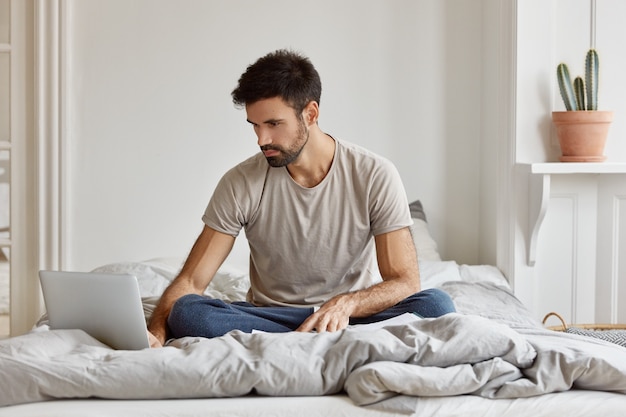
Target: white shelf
539, 181
577, 168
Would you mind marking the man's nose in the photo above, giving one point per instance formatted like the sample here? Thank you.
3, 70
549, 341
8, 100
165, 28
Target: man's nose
264, 137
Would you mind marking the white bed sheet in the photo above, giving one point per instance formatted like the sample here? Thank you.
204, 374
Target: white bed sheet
575, 403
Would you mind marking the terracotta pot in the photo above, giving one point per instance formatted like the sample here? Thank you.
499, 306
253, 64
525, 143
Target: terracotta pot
582, 134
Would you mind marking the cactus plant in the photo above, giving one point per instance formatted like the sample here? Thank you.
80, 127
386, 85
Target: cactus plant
582, 134
591, 79
574, 95
565, 86
579, 90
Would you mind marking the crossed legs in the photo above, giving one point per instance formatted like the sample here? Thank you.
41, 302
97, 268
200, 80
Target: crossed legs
195, 315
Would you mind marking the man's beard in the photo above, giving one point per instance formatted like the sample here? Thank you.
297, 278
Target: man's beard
287, 156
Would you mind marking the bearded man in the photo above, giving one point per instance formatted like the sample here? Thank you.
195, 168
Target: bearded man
327, 223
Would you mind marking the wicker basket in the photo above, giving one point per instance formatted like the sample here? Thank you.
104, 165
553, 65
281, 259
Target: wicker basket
563, 327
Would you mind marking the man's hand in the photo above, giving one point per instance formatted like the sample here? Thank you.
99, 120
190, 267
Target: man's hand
154, 341
206, 256
332, 316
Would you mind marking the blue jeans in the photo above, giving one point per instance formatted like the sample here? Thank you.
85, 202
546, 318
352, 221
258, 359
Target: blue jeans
196, 315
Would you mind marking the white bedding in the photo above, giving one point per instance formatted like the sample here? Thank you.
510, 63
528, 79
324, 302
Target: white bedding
492, 348
569, 403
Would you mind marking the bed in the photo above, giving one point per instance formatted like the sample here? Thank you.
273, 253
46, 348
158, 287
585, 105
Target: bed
491, 358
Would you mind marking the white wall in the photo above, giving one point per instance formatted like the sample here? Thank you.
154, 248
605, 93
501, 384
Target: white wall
151, 127
610, 36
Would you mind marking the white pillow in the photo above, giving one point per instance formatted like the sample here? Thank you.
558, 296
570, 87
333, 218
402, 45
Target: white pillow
230, 283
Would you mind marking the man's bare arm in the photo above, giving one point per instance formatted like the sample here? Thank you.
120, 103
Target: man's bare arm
397, 261
207, 254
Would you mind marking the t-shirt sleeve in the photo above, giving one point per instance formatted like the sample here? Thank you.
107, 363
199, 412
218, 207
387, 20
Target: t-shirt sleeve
223, 213
389, 207
236, 197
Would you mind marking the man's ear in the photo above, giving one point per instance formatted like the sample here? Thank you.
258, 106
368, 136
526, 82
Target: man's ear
311, 113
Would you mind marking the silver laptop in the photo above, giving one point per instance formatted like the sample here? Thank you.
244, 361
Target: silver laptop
106, 306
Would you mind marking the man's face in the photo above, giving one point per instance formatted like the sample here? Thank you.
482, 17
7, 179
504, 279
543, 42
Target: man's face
281, 134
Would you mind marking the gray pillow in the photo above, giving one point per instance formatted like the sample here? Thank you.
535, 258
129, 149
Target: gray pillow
424, 243
417, 210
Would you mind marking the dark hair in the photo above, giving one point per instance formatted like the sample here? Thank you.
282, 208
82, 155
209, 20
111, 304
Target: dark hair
285, 74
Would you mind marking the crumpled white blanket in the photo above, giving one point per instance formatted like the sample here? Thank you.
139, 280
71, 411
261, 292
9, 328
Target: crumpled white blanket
450, 355
561, 363
470, 352
492, 348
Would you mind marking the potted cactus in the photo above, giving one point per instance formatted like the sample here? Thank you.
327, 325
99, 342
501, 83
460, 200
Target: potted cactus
582, 129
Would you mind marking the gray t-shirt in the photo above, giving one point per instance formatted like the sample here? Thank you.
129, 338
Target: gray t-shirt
310, 244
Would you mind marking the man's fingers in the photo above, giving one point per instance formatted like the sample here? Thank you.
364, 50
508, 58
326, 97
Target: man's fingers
309, 324
154, 342
323, 323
